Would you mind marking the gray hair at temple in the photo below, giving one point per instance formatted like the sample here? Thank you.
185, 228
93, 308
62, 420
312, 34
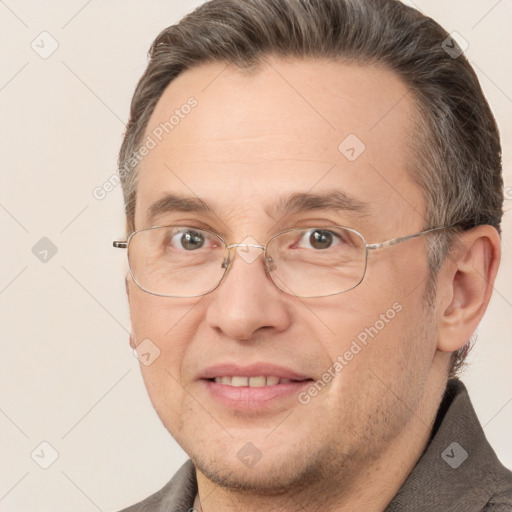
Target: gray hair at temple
455, 149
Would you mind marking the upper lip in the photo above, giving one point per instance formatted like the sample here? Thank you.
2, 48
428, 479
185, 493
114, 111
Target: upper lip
251, 370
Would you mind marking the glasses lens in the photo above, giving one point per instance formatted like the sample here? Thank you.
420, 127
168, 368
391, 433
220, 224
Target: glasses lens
317, 262
176, 261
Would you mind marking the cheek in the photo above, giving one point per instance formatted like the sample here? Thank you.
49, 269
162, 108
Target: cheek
160, 319
383, 350
161, 333
373, 325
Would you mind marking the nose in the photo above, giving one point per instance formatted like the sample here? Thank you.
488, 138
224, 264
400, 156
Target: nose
247, 303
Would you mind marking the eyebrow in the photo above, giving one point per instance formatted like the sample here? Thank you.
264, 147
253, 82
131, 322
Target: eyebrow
176, 203
333, 200
296, 203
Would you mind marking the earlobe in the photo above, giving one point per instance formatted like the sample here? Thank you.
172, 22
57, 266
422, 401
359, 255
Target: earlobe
468, 280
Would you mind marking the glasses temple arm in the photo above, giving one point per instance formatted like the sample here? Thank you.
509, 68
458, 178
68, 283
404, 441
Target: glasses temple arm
394, 241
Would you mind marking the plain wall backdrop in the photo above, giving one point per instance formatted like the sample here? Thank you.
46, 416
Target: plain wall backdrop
68, 376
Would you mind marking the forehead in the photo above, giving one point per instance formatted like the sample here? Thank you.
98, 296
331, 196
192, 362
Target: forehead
289, 126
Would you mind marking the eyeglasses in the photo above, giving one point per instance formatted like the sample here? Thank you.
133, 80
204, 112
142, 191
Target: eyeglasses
183, 261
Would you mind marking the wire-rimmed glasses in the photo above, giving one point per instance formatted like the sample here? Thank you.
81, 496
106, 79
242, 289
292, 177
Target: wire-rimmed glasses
184, 261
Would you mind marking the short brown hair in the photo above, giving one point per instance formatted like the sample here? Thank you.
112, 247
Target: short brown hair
457, 148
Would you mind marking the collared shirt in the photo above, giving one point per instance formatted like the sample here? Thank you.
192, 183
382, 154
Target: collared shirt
458, 471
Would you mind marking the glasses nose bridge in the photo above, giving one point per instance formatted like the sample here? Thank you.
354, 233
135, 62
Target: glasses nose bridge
229, 260
257, 246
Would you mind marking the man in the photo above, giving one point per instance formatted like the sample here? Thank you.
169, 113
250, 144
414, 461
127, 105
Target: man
313, 195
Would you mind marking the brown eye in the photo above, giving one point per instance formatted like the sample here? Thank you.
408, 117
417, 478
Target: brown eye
188, 240
320, 239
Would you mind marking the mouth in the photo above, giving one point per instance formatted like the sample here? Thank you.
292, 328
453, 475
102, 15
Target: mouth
255, 393
252, 382
258, 386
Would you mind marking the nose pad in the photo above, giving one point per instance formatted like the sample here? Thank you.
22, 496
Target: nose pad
270, 264
248, 253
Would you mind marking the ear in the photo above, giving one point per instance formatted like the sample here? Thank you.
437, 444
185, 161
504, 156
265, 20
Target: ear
465, 285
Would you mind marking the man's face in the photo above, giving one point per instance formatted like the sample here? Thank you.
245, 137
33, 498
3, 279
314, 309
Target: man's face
250, 143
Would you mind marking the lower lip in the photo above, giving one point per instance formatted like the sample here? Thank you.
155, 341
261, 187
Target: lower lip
249, 398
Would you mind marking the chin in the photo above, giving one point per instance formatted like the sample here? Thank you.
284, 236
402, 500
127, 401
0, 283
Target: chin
271, 477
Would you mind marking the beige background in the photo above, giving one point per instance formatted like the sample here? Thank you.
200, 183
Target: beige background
67, 374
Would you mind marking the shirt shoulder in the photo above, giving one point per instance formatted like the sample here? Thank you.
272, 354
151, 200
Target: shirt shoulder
458, 471
500, 502
176, 496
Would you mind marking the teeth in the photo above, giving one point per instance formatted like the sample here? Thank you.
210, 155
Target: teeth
272, 381
239, 381
257, 382
253, 382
